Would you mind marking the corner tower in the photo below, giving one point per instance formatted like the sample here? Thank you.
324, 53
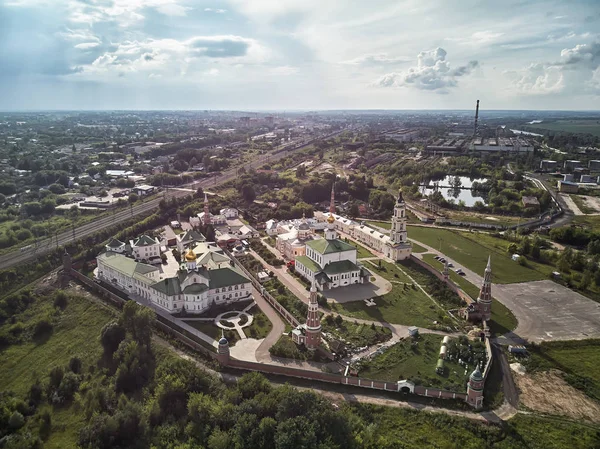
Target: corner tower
475, 389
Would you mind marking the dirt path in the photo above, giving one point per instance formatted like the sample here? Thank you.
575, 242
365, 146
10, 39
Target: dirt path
547, 392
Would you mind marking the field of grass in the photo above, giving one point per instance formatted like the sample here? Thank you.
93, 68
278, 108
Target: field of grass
472, 249
579, 360
381, 224
362, 252
403, 305
76, 333
213, 331
416, 248
260, 327
440, 431
483, 218
356, 335
582, 204
503, 320
416, 361
581, 126
592, 221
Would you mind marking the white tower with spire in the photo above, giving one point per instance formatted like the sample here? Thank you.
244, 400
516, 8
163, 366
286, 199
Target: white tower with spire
484, 300
398, 248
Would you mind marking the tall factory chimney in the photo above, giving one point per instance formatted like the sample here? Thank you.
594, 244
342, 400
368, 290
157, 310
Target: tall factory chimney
476, 118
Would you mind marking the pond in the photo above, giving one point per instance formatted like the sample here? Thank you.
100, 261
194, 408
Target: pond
456, 194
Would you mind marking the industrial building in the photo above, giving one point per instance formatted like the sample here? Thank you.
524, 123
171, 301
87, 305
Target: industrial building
572, 164
402, 135
568, 187
501, 144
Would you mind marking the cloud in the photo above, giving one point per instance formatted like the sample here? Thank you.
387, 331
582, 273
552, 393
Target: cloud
284, 70
477, 38
433, 72
219, 46
377, 59
576, 72
216, 11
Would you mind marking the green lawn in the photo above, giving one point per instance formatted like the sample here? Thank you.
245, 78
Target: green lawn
362, 252
213, 331
580, 360
356, 335
260, 327
472, 251
416, 361
381, 224
592, 221
76, 333
503, 320
483, 218
405, 304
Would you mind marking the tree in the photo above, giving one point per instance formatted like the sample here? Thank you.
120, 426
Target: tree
133, 197
248, 193
354, 211
111, 337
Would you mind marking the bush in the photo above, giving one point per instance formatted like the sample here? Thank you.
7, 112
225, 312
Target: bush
16, 420
42, 328
111, 337
60, 300
75, 365
68, 386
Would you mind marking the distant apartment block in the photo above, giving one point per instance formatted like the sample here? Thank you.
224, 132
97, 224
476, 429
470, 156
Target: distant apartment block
548, 165
402, 135
571, 164
594, 165
502, 144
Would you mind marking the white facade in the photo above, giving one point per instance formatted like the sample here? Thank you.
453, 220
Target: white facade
192, 289
145, 248
229, 213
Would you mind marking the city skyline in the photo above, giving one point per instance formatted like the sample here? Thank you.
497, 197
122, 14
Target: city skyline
298, 55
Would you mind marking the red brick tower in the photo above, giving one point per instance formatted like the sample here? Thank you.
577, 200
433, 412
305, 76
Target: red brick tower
313, 323
223, 351
206, 210
484, 301
475, 389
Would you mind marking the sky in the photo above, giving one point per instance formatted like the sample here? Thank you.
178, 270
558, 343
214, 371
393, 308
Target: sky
299, 54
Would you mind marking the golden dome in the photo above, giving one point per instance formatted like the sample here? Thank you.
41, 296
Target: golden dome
190, 256
330, 219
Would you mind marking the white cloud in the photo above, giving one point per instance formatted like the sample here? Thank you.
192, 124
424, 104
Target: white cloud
377, 59
284, 70
432, 72
216, 11
477, 38
575, 73
87, 45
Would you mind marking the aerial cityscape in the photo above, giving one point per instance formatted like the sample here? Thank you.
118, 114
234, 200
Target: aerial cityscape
299, 225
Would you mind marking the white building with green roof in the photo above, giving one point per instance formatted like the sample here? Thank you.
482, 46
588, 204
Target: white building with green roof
199, 283
330, 262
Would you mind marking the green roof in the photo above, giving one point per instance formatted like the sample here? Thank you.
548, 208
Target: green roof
114, 243
195, 288
192, 235
144, 240
324, 246
322, 278
308, 263
224, 277
169, 286
125, 264
342, 266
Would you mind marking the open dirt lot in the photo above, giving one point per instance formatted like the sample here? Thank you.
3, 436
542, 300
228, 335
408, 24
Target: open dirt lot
547, 392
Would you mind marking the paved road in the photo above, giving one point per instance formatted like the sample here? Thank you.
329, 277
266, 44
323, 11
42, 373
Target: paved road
511, 394
47, 245
544, 309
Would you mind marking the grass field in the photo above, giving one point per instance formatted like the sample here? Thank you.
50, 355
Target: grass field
472, 249
483, 218
592, 221
362, 252
582, 126
403, 305
381, 224
433, 430
580, 360
76, 333
416, 362
503, 320
357, 335
582, 204
416, 248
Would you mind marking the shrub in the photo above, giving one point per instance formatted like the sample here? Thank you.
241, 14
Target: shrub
42, 328
60, 300
75, 365
68, 386
16, 420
